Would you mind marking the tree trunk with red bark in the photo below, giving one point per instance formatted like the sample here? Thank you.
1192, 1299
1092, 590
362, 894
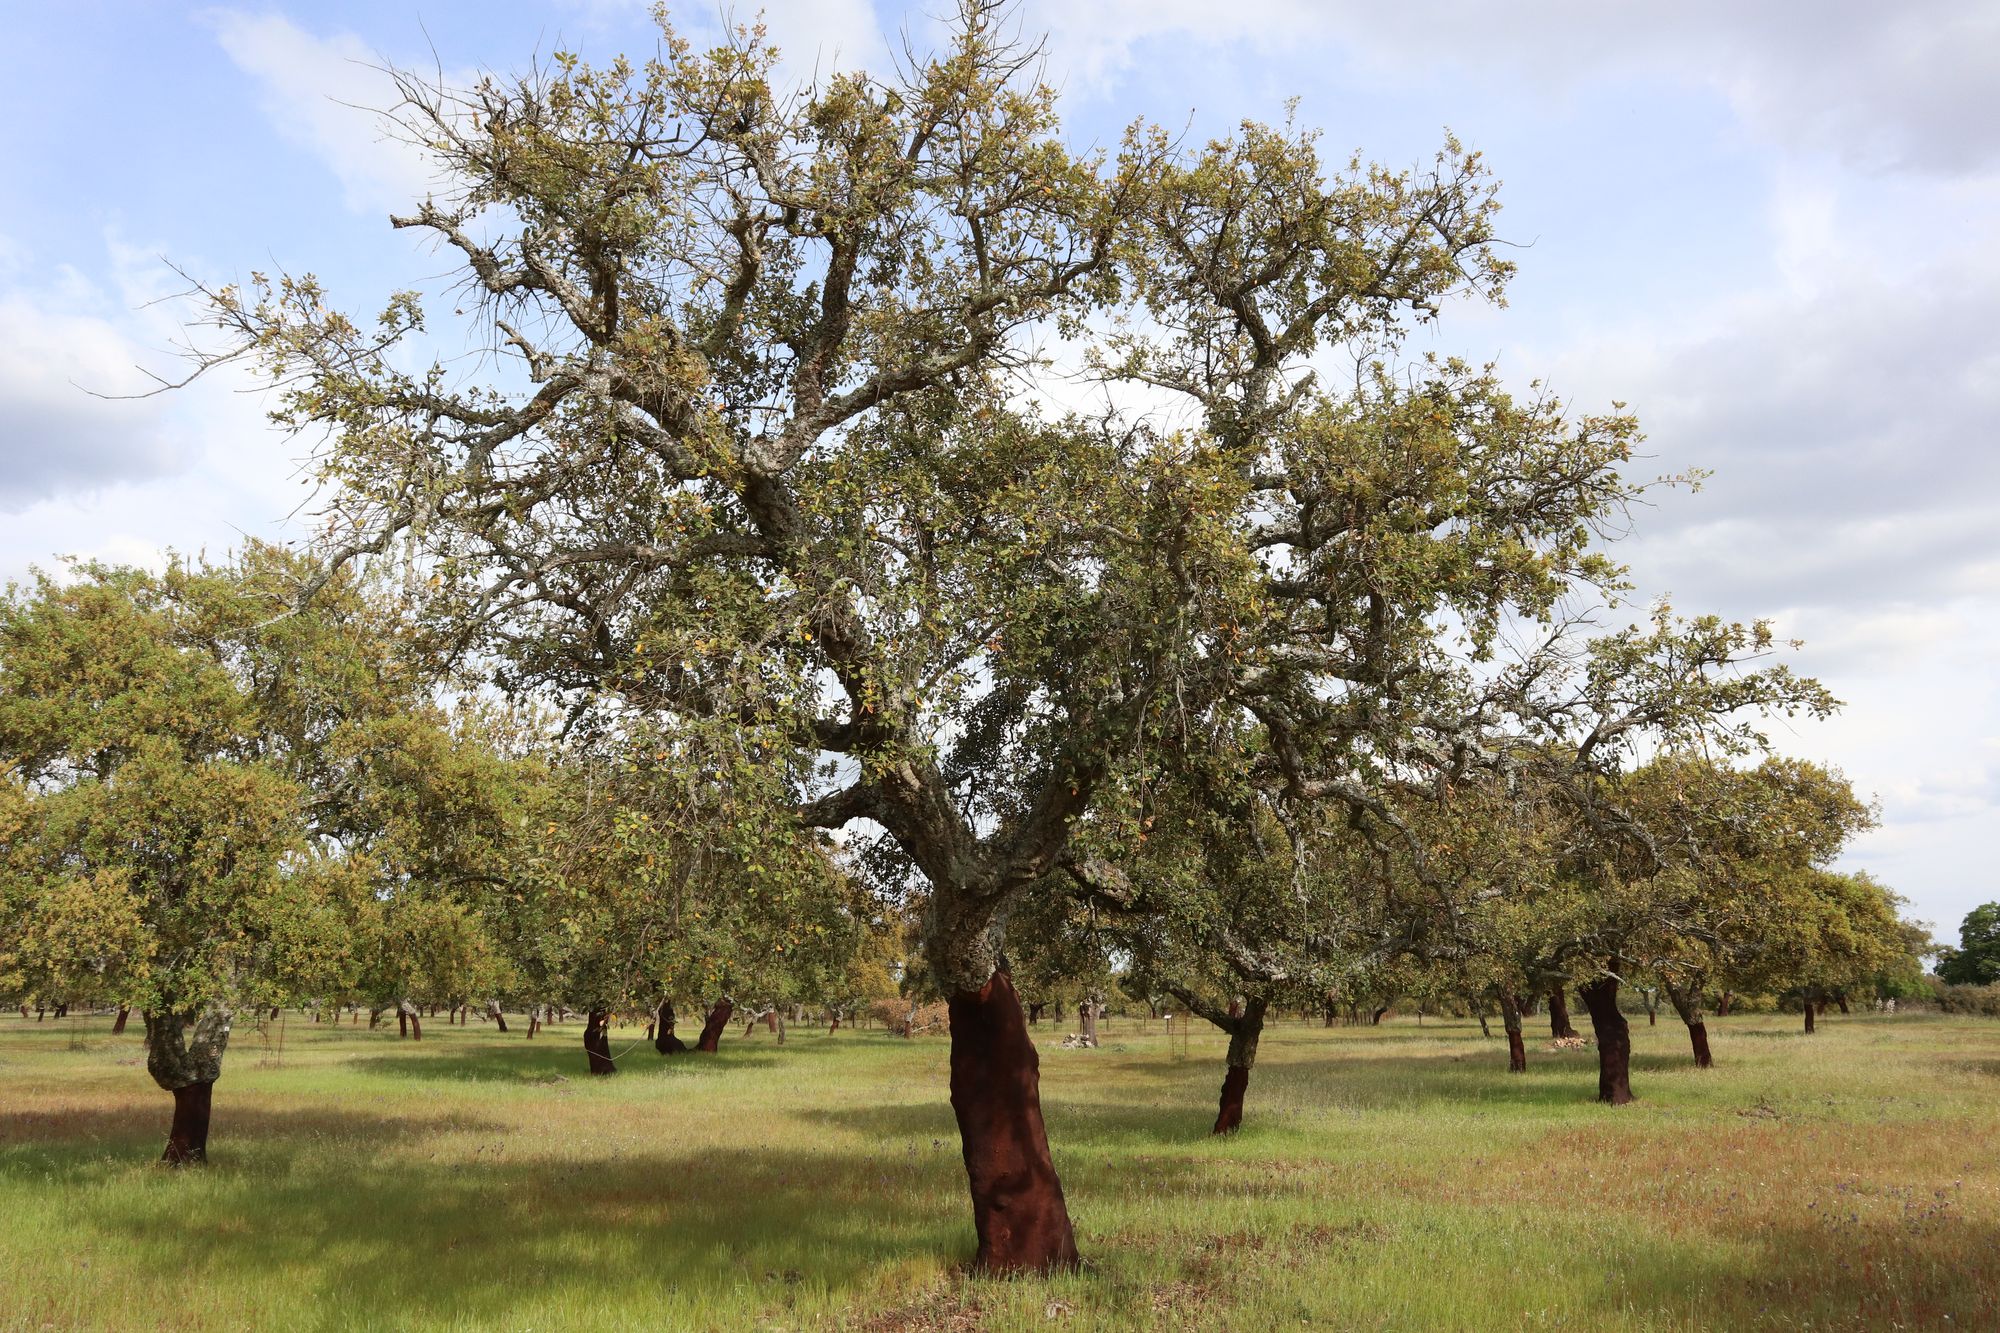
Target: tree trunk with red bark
1688, 1005
1614, 1039
597, 1042
402, 1024
406, 1010
665, 1040
1559, 1024
1018, 1209
1244, 1029
187, 1137
184, 1055
1517, 1049
534, 1021
711, 1031
1722, 1005
494, 1012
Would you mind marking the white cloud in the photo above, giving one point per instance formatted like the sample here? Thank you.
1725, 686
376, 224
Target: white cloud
330, 95
1913, 85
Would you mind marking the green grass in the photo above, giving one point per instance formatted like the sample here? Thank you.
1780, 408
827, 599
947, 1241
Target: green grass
1391, 1178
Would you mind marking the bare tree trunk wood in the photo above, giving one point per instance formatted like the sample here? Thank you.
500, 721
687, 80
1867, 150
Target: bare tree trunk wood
1018, 1210
1614, 1040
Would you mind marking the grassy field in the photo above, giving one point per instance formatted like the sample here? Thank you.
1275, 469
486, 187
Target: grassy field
1391, 1178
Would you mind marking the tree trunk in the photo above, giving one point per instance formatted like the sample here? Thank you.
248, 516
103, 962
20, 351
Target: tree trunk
781, 1029
1017, 1202
187, 1137
118, 1024
1809, 1014
597, 1042
1652, 1006
1375, 1019
402, 1024
1559, 1024
1243, 1034
1087, 1019
711, 1031
1688, 1005
771, 1019
534, 1021
1035, 1012
405, 1009
1517, 1049
493, 1011
1722, 1005
184, 1055
1840, 1000
1614, 1040
664, 1039
833, 1025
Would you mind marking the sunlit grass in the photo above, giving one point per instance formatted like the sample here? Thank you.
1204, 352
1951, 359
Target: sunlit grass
1386, 1178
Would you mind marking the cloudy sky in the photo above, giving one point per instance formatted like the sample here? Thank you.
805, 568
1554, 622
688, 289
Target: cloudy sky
1768, 228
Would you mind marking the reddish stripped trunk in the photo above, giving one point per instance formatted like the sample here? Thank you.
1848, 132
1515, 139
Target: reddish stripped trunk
187, 1138
664, 1039
1559, 1024
1517, 1049
1688, 1005
1614, 1040
534, 1021
117, 1027
833, 1026
711, 1031
1246, 1026
597, 1042
402, 1024
1017, 1202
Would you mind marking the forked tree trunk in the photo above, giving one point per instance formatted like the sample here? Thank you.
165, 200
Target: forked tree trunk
416, 1020
1035, 1012
117, 1025
1688, 1005
1245, 1028
1017, 1202
1559, 1024
664, 1039
1517, 1049
184, 1056
597, 1042
711, 1031
1614, 1040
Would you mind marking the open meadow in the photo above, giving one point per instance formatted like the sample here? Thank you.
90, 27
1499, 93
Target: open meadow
1393, 1177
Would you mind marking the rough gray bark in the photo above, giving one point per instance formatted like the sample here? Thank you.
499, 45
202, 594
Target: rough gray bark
184, 1055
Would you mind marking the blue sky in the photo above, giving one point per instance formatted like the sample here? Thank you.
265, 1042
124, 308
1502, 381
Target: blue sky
1769, 228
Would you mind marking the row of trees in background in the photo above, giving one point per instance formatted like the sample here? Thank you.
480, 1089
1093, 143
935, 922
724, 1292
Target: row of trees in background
759, 601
